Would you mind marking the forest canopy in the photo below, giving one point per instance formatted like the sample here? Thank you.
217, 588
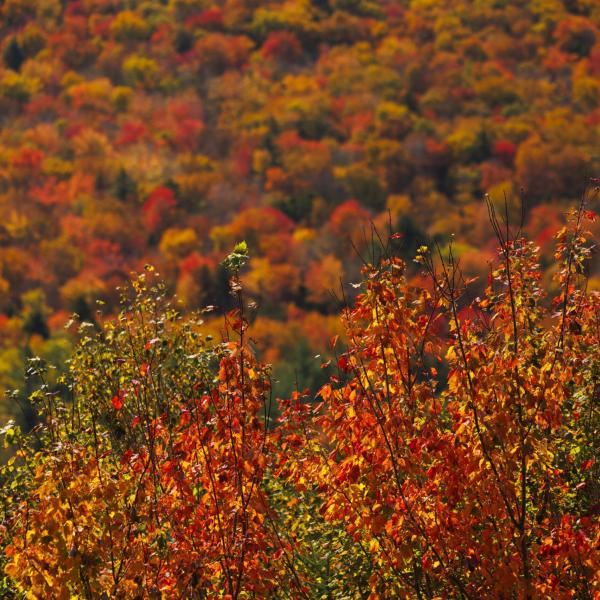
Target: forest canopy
166, 132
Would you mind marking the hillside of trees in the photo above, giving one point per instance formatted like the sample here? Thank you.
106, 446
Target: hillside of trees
165, 132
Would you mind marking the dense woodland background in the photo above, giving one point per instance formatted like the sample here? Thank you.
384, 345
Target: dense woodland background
165, 132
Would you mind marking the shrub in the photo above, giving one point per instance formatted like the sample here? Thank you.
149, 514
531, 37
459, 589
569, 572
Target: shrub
453, 453
462, 465
149, 477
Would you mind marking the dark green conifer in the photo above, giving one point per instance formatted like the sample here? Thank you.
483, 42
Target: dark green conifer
13, 55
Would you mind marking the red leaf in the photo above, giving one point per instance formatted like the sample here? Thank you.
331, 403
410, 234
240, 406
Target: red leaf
117, 401
150, 343
586, 465
343, 363
126, 456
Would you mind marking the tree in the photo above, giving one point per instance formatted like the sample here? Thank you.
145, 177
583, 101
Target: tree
13, 55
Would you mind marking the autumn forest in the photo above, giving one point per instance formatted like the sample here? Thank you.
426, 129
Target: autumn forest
300, 299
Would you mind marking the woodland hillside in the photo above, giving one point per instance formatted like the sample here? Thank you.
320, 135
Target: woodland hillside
164, 132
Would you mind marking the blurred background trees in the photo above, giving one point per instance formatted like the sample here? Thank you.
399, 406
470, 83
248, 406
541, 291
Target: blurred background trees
165, 132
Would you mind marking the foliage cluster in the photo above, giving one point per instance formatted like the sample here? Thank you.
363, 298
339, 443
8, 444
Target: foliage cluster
453, 455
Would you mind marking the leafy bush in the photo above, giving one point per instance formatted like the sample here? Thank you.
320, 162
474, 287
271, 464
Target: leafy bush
454, 453
149, 474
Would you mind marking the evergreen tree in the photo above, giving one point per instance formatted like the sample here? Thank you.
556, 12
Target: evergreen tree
13, 55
